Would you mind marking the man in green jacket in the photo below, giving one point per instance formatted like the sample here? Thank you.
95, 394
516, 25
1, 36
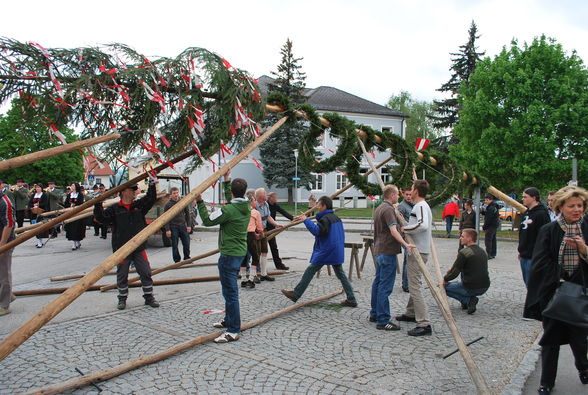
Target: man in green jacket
54, 195
233, 219
21, 200
472, 262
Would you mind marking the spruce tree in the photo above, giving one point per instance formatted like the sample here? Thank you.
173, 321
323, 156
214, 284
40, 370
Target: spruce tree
277, 154
464, 65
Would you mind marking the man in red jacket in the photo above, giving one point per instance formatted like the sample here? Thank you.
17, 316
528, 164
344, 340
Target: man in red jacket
450, 212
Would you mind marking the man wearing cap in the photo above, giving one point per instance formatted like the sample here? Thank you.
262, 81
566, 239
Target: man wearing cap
21, 200
54, 196
127, 219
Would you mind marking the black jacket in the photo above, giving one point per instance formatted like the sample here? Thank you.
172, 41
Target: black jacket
467, 220
274, 209
126, 223
491, 216
532, 221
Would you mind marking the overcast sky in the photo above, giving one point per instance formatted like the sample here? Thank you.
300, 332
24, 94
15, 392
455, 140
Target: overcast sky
371, 48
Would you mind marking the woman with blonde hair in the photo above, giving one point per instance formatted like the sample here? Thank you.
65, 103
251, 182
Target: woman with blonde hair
560, 255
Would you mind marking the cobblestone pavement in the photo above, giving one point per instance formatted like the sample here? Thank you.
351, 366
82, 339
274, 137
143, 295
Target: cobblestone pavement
322, 348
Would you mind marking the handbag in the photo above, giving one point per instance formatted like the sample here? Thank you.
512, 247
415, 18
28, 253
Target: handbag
569, 304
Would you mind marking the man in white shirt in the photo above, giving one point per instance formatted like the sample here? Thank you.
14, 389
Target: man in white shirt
420, 228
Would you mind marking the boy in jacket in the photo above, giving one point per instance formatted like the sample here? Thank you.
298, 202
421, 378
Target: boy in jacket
329, 249
534, 218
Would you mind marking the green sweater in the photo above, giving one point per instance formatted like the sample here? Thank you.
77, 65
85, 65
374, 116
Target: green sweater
472, 261
233, 219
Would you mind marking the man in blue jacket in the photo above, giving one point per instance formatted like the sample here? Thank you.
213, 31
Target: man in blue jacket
329, 249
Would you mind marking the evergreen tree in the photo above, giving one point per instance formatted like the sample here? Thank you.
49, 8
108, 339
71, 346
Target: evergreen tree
464, 64
20, 135
277, 154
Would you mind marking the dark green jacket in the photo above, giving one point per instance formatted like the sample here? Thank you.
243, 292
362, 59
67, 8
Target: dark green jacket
233, 219
21, 199
472, 261
55, 199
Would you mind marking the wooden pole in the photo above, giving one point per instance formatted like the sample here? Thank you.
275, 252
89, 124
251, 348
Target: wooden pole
106, 374
169, 281
21, 334
23, 160
56, 221
506, 198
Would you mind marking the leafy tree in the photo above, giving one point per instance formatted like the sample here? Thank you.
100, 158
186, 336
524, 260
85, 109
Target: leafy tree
524, 116
20, 135
420, 111
277, 154
464, 64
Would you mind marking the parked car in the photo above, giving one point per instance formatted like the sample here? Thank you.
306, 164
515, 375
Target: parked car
508, 213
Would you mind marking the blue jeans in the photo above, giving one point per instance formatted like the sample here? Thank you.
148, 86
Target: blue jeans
309, 273
228, 269
382, 287
178, 233
526, 264
404, 269
456, 290
449, 223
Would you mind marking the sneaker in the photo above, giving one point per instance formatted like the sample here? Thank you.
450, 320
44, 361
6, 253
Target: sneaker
266, 278
348, 303
390, 326
227, 337
4, 311
372, 319
472, 305
420, 331
256, 279
290, 295
122, 304
220, 324
151, 302
405, 318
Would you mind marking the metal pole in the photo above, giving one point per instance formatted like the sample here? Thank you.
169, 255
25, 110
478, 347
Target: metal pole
477, 209
575, 171
296, 182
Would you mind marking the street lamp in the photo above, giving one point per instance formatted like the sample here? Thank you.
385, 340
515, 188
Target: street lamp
296, 179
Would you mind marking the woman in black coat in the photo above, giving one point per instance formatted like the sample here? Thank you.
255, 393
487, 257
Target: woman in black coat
560, 254
39, 203
75, 231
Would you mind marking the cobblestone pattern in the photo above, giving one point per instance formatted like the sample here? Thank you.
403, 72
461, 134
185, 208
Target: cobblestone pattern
318, 349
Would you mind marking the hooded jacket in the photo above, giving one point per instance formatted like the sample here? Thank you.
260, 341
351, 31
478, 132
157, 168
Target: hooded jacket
233, 219
491, 216
532, 221
329, 242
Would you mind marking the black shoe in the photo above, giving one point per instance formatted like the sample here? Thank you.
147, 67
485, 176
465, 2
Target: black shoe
281, 266
248, 284
289, 294
403, 317
420, 331
103, 237
96, 234
122, 304
390, 326
491, 257
405, 289
348, 303
256, 280
266, 278
544, 390
186, 258
472, 305
583, 376
151, 302
464, 306
372, 319
244, 283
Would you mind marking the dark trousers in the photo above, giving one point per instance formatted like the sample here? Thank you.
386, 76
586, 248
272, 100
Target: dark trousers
20, 216
490, 241
275, 253
449, 223
180, 233
100, 229
550, 356
139, 258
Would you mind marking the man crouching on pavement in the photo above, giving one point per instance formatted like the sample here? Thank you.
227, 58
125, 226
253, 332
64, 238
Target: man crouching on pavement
472, 261
329, 249
127, 219
233, 219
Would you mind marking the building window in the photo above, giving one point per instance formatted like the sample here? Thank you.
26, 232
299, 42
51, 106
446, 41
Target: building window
386, 177
99, 181
388, 129
317, 183
341, 181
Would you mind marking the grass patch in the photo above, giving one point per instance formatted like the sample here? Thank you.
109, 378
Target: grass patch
327, 306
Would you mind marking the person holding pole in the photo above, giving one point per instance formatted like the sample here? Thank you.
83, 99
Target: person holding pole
387, 242
472, 263
405, 208
233, 219
263, 207
7, 225
127, 219
420, 228
328, 249
179, 227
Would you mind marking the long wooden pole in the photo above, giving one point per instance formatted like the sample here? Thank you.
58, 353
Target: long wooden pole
503, 196
23, 160
56, 221
26, 330
106, 374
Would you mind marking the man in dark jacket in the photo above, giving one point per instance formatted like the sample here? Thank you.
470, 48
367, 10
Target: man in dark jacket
329, 249
491, 224
272, 200
179, 227
472, 262
534, 218
7, 225
21, 200
127, 219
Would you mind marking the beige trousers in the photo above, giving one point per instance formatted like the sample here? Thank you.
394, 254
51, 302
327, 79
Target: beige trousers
416, 306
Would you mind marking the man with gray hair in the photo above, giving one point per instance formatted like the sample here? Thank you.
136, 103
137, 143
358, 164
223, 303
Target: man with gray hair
272, 199
262, 206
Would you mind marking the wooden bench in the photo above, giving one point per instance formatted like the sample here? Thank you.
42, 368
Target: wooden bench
368, 245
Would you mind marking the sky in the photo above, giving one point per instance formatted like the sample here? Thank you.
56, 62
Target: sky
370, 48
